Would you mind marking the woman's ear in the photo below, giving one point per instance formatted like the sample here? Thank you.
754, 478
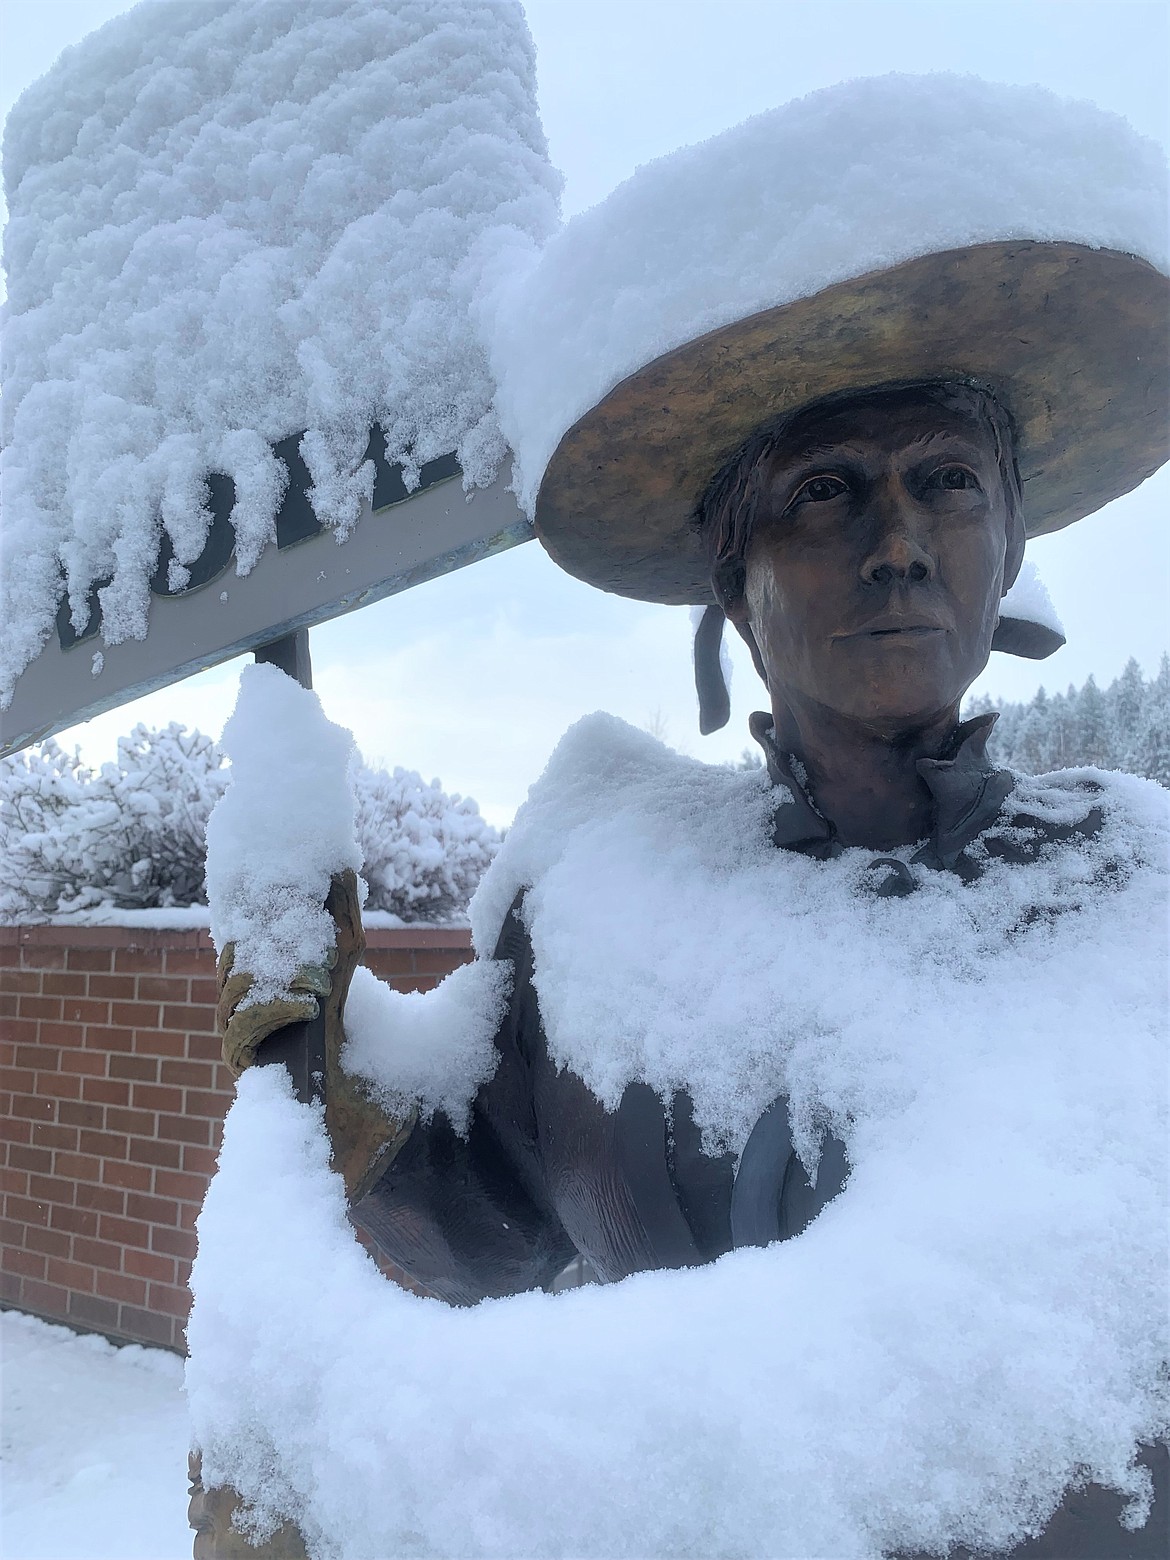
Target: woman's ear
1014, 557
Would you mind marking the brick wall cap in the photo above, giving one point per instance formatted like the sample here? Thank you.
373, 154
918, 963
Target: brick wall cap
60, 934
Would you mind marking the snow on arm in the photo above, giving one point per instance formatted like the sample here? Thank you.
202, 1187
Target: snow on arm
431, 1049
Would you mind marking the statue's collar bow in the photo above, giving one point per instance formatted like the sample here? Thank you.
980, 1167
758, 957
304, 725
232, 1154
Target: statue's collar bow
968, 794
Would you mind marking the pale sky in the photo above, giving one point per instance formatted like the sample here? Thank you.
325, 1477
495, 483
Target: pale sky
474, 677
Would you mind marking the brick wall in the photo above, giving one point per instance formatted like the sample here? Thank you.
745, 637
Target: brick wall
112, 1096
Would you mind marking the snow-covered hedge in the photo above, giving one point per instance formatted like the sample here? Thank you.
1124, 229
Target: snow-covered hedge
131, 835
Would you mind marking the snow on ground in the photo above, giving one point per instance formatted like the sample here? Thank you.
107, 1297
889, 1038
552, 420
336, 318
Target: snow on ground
93, 1448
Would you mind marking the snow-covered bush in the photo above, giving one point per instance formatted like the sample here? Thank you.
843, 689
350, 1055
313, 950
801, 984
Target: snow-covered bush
132, 835
423, 852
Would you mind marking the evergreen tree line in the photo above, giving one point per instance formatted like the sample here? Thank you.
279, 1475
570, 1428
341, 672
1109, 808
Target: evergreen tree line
1125, 726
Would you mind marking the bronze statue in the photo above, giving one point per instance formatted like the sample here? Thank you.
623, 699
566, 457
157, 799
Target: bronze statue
860, 539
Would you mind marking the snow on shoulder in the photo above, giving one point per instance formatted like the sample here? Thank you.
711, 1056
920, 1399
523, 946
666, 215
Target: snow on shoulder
234, 223
975, 1324
831, 186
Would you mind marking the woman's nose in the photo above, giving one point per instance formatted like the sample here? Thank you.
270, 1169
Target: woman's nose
900, 550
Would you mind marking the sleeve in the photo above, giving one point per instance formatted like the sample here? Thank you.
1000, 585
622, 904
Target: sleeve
468, 1218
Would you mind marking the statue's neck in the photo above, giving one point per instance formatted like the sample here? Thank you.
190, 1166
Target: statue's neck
863, 779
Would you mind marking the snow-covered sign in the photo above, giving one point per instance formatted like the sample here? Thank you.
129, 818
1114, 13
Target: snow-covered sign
245, 244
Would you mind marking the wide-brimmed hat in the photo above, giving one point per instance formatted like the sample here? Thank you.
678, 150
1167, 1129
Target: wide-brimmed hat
886, 231
1072, 341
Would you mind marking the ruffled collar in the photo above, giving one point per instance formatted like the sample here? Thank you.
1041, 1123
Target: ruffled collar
967, 789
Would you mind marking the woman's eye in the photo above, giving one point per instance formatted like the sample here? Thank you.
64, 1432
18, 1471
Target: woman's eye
954, 479
819, 490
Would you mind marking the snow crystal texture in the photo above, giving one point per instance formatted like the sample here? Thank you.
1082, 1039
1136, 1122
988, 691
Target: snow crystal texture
975, 1323
236, 220
280, 831
848, 180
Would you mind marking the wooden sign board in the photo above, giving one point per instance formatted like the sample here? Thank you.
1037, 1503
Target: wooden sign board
305, 577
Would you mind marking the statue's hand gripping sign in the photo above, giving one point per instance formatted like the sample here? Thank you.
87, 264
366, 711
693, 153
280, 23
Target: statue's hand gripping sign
881, 996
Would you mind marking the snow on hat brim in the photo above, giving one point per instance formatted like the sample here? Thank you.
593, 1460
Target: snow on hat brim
1073, 341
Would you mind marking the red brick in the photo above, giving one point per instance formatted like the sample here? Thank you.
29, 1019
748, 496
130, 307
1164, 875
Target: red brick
201, 1161
140, 1068
11, 1285
112, 988
138, 959
54, 1243
22, 1079
7, 1004
11, 1233
188, 1213
159, 1042
27, 981
147, 1326
137, 1015
190, 961
180, 1129
120, 1286
15, 1131
189, 1075
30, 1264
187, 1016
71, 1274
15, 1181
28, 1060
149, 1151
79, 1168
107, 1145
100, 1037
163, 988
176, 1243
51, 1189
205, 992
98, 1253
105, 1091
84, 1010
51, 1134
32, 1109
205, 1102
106, 1199
91, 1063
171, 1300
90, 958
40, 1007
173, 1183
55, 984
45, 957
60, 1085
136, 1123
27, 1211
21, 1029
77, 1221
48, 1299
157, 1096
69, 1035
92, 1311
204, 1047
149, 1265
439, 961
124, 1232
9, 954
155, 1210
38, 1160
75, 1113
133, 1178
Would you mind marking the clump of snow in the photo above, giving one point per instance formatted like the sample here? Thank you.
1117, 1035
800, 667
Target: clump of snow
976, 1323
230, 223
431, 1049
281, 830
836, 184
1028, 600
